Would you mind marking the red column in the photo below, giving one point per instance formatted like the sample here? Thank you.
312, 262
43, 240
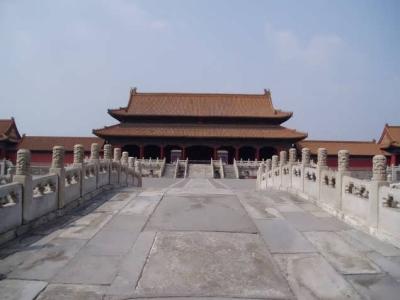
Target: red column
237, 153
162, 151
141, 151
215, 153
258, 153
183, 152
393, 161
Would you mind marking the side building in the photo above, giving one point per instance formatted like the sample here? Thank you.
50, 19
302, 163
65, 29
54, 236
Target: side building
200, 126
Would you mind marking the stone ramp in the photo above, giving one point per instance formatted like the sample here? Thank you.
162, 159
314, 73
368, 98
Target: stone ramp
200, 171
197, 238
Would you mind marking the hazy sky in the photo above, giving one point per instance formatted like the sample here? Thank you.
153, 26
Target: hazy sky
335, 64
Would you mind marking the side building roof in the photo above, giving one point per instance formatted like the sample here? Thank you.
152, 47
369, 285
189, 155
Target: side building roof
390, 137
9, 131
46, 143
200, 105
360, 148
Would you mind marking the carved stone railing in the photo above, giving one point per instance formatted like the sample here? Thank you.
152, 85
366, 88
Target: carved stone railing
247, 168
31, 200
10, 206
235, 168
152, 167
370, 204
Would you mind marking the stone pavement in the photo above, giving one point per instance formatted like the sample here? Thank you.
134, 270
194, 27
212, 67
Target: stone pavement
196, 238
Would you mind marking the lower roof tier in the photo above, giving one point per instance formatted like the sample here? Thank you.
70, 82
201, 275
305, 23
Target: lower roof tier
199, 131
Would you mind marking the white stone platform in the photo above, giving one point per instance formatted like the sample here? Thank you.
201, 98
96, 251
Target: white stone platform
198, 238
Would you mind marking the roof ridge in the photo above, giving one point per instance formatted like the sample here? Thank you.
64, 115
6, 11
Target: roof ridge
197, 94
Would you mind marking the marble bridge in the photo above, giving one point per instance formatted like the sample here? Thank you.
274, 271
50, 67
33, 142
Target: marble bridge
194, 238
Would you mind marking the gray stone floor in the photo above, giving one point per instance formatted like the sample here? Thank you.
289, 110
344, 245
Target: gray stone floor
197, 238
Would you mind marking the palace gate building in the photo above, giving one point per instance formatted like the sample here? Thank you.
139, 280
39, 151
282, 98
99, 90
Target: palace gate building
243, 126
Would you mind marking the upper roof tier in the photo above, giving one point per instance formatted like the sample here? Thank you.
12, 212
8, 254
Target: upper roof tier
200, 105
9, 131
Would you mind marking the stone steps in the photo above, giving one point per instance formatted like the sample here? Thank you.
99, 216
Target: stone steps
200, 171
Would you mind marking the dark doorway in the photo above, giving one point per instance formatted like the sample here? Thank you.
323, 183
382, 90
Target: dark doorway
152, 151
267, 152
133, 150
247, 152
231, 152
199, 153
167, 151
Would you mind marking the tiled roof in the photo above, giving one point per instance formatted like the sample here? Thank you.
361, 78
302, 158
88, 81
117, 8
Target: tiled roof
9, 131
200, 131
363, 148
390, 137
200, 105
46, 143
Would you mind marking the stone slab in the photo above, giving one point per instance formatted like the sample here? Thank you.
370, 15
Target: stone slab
116, 237
305, 221
46, 262
132, 265
211, 264
280, 237
142, 205
390, 264
375, 286
201, 212
86, 227
373, 243
310, 277
72, 292
340, 254
89, 269
259, 207
20, 289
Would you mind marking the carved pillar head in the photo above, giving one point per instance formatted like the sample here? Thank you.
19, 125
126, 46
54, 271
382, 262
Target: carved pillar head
79, 154
292, 155
124, 158
262, 167
305, 157
343, 160
275, 161
94, 152
268, 164
108, 151
282, 158
131, 162
58, 157
23, 166
379, 168
322, 157
117, 154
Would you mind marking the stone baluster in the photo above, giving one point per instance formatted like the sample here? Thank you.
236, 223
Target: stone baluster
117, 154
305, 157
268, 164
343, 160
282, 158
107, 152
379, 166
57, 167
125, 158
94, 153
131, 162
322, 158
292, 156
275, 161
79, 156
23, 175
138, 172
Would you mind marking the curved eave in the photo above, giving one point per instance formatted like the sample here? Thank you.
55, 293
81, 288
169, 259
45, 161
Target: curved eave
122, 115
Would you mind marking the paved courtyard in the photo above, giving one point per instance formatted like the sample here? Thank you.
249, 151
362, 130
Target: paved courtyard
195, 238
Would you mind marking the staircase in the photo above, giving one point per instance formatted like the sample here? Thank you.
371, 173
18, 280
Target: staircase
229, 171
169, 171
200, 171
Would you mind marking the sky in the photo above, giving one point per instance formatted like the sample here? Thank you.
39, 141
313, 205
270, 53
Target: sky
334, 64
